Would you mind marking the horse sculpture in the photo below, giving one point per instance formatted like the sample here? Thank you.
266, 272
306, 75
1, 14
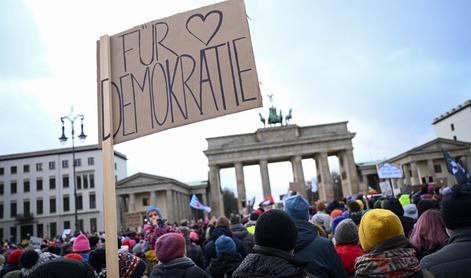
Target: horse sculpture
262, 119
274, 118
288, 117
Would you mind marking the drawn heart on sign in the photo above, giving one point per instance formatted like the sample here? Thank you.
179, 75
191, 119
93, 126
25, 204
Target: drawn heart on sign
204, 30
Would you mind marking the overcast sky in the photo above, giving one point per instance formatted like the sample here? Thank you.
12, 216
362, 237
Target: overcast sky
387, 67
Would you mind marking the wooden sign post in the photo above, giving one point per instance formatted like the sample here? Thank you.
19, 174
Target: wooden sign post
109, 190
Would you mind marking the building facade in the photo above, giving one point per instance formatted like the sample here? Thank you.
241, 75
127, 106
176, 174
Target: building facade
139, 191
37, 191
455, 124
368, 174
425, 164
291, 143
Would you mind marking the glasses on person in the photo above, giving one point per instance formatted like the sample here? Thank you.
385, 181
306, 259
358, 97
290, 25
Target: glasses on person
152, 215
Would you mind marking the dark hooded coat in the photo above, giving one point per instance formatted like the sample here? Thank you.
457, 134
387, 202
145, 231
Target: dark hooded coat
319, 252
239, 231
210, 248
454, 259
224, 264
178, 268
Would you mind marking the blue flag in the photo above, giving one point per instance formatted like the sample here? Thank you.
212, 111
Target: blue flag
196, 204
462, 176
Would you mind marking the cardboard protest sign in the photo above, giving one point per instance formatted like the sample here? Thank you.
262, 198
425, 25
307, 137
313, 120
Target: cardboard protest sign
66, 232
178, 70
134, 219
386, 189
388, 171
35, 241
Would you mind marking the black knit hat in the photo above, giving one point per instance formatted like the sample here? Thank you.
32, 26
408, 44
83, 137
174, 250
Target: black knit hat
97, 259
427, 204
61, 267
456, 210
393, 205
275, 229
29, 258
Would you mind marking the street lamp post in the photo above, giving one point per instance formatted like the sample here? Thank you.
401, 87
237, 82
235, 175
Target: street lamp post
71, 118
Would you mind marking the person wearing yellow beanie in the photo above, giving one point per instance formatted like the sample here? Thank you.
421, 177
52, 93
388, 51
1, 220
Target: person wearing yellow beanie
377, 226
388, 253
360, 203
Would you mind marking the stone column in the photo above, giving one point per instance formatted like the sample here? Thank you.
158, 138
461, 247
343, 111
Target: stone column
187, 206
132, 202
216, 205
153, 198
364, 178
176, 206
298, 175
431, 170
468, 163
343, 173
415, 174
122, 210
179, 206
239, 171
400, 182
326, 187
351, 171
265, 178
407, 176
170, 207
184, 205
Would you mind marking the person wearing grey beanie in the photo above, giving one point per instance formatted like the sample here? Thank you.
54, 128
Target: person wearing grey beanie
346, 244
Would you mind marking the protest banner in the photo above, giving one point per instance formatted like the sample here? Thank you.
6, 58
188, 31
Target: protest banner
178, 70
386, 188
134, 220
388, 171
66, 232
35, 242
166, 73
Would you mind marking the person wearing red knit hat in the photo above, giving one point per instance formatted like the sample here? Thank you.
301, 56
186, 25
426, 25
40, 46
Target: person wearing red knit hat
74, 256
13, 261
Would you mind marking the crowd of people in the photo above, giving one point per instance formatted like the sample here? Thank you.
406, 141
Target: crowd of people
421, 234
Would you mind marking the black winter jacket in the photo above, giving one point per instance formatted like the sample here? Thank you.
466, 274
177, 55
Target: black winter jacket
239, 231
224, 265
195, 253
210, 248
270, 262
178, 268
454, 259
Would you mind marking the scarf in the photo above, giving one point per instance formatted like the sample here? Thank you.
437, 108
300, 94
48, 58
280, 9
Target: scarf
397, 263
128, 264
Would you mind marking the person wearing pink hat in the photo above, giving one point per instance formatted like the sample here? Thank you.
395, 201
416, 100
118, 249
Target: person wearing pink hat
193, 236
82, 247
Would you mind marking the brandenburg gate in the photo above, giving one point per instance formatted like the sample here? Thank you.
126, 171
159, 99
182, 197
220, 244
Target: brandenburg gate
283, 143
